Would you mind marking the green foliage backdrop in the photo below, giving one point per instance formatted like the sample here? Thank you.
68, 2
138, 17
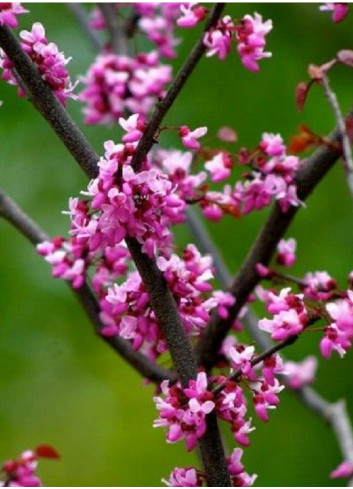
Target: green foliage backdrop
58, 383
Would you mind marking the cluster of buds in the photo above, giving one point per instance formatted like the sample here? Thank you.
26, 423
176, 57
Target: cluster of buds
117, 84
49, 61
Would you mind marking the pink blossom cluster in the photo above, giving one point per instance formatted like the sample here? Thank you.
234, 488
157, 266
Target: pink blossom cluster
272, 176
49, 61
9, 12
126, 310
320, 299
190, 477
290, 315
117, 84
191, 15
157, 21
249, 34
339, 334
21, 472
182, 411
143, 205
184, 419
339, 10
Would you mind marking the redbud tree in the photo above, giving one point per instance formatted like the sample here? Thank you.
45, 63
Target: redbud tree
163, 196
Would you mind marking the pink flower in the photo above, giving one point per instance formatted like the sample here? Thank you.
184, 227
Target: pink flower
9, 12
116, 84
284, 324
218, 40
344, 470
236, 470
241, 357
320, 286
181, 477
266, 398
272, 145
190, 138
251, 40
191, 15
219, 167
300, 374
134, 127
340, 10
286, 252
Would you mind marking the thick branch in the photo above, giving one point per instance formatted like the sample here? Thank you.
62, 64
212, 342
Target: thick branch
179, 81
310, 174
10, 211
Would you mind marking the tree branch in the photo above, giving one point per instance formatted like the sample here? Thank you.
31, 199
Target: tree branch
12, 213
179, 81
341, 125
161, 298
310, 174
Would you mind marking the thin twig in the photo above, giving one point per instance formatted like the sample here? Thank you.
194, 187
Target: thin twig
255, 361
179, 81
82, 17
346, 144
312, 170
115, 28
12, 213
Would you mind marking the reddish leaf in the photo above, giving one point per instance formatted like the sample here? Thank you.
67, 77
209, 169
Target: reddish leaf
345, 56
301, 92
46, 451
301, 141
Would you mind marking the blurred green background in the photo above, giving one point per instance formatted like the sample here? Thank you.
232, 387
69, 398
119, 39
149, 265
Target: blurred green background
61, 385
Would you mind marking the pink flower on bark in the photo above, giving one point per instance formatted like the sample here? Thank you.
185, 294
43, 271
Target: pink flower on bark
184, 419
49, 61
9, 12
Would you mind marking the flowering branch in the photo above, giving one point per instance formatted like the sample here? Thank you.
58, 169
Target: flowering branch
162, 107
346, 144
313, 169
10, 211
161, 298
